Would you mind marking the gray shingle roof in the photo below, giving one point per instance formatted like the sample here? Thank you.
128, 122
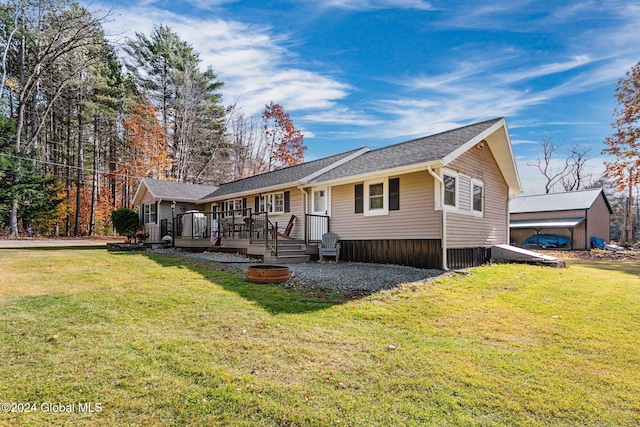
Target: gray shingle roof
277, 177
571, 200
178, 191
421, 150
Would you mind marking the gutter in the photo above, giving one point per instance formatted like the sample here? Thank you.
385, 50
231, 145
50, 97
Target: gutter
444, 218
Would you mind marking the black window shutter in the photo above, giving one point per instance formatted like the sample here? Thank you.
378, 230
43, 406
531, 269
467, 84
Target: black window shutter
394, 194
359, 188
257, 200
287, 201
244, 203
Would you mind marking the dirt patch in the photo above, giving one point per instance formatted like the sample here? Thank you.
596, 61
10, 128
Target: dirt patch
625, 256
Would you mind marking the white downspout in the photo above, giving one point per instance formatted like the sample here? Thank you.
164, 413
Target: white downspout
444, 218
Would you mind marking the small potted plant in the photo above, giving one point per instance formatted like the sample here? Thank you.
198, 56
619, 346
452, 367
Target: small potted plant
141, 236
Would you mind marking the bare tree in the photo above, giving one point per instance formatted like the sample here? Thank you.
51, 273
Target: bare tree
578, 177
552, 174
249, 149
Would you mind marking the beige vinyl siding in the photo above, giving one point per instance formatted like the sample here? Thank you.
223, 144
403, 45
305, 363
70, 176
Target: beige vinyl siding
599, 220
464, 196
416, 218
296, 205
465, 230
147, 198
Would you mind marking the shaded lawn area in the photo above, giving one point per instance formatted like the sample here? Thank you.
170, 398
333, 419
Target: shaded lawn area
165, 340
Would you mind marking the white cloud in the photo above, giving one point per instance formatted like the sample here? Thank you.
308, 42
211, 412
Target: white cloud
546, 69
378, 4
252, 62
343, 116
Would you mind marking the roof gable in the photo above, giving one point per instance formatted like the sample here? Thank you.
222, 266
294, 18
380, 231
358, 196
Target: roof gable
551, 202
441, 149
171, 190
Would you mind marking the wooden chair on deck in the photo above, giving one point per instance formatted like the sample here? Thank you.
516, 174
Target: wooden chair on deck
288, 228
226, 229
329, 247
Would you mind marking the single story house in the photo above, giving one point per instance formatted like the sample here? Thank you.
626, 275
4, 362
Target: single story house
439, 201
159, 201
578, 215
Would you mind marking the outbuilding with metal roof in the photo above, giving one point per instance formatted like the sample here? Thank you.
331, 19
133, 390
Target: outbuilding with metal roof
578, 215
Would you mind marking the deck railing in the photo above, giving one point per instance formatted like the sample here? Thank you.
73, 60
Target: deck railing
194, 225
315, 227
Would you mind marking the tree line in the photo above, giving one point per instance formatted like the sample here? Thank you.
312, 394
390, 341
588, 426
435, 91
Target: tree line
80, 125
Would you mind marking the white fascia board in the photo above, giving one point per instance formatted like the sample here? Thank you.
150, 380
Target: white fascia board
135, 196
179, 200
380, 173
271, 189
334, 165
517, 190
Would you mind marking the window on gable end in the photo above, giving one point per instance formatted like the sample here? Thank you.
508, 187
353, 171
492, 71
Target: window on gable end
449, 190
478, 197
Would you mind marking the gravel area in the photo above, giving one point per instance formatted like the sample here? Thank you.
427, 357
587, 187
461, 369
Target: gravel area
343, 276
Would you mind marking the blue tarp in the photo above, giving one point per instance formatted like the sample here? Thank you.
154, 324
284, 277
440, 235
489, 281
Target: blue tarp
597, 242
547, 240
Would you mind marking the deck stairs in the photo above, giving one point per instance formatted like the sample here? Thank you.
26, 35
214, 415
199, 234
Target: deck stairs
289, 252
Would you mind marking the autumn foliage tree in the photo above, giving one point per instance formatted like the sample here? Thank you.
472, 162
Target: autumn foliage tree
146, 145
624, 144
285, 142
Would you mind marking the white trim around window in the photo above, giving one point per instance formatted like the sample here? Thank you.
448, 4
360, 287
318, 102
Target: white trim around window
477, 197
150, 213
233, 205
272, 203
376, 197
448, 174
460, 193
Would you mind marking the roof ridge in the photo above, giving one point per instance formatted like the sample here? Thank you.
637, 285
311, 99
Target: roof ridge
147, 179
439, 133
520, 196
293, 166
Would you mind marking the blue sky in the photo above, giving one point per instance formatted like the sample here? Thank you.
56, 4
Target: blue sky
377, 72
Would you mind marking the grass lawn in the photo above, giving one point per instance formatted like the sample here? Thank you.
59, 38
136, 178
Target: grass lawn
161, 340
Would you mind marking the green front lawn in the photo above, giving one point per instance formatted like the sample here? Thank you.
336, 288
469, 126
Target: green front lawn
163, 340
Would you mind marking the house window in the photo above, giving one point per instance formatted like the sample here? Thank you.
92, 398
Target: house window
376, 196
233, 207
272, 203
449, 190
150, 215
478, 197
